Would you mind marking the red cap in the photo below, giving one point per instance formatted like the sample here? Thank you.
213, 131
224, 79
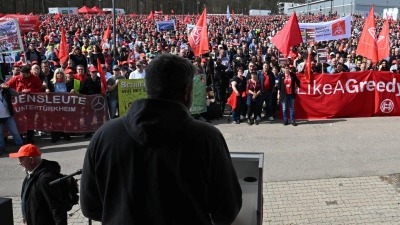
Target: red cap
28, 150
69, 71
92, 69
203, 60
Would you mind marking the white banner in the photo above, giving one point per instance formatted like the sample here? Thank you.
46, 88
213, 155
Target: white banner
325, 31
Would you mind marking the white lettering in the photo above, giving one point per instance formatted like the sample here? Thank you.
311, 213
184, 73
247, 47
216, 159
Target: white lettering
380, 86
371, 85
391, 86
81, 101
338, 87
327, 89
355, 87
316, 88
362, 84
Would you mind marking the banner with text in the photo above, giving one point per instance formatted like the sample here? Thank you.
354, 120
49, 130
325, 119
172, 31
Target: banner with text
128, 92
354, 94
26, 22
325, 31
60, 112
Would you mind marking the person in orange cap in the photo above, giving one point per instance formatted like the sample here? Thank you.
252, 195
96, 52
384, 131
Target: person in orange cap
40, 202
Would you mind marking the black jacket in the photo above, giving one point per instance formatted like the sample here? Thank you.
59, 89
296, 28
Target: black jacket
281, 85
167, 169
44, 204
90, 87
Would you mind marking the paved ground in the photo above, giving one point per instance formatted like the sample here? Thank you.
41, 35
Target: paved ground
339, 171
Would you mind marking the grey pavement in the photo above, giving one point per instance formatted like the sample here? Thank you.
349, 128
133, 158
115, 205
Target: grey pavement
336, 171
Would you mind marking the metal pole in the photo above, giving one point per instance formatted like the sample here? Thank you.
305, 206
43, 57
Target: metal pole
114, 30
183, 10
100, 4
331, 8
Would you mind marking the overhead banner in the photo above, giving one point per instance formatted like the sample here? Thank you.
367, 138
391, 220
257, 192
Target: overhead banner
166, 25
352, 94
325, 31
130, 91
26, 22
60, 112
10, 37
199, 104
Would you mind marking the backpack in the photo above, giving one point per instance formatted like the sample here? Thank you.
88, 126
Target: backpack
70, 189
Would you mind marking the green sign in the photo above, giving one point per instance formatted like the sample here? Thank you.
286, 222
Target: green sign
128, 92
199, 104
132, 90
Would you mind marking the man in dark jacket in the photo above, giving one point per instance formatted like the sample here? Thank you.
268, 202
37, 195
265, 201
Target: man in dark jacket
40, 202
169, 169
267, 81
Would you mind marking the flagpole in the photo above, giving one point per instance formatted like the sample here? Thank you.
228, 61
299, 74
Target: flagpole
114, 35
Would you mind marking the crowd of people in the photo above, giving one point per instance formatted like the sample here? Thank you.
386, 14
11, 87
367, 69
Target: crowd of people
240, 44
242, 61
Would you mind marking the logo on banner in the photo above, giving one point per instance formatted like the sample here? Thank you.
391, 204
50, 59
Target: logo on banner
196, 34
387, 106
98, 103
339, 28
26, 18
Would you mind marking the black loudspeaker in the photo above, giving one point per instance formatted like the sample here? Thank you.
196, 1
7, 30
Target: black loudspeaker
6, 211
249, 169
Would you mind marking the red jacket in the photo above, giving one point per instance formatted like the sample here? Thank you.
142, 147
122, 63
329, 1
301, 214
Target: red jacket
31, 83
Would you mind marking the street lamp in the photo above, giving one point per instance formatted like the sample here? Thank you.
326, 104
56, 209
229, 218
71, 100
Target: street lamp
100, 4
198, 2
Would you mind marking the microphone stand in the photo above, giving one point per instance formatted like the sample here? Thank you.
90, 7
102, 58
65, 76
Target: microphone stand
65, 177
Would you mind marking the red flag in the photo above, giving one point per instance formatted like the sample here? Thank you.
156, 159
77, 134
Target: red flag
367, 46
289, 36
63, 55
106, 34
198, 38
383, 41
151, 16
187, 19
307, 68
102, 77
232, 100
233, 13
166, 18
58, 16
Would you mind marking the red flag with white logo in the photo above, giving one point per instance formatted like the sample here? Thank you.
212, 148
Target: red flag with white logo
198, 38
63, 55
367, 46
289, 36
383, 41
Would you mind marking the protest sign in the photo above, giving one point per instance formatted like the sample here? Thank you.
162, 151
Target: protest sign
199, 104
128, 92
10, 37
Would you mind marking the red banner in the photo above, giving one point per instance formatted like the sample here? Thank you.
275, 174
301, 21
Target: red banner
25, 22
355, 94
60, 112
